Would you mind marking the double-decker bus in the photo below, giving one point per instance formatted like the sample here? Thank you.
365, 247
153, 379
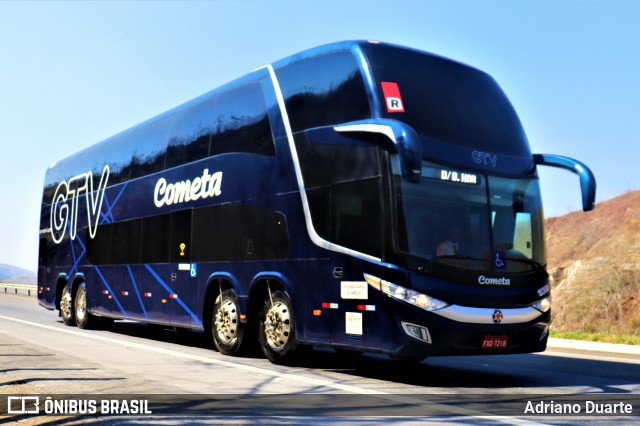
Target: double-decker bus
359, 195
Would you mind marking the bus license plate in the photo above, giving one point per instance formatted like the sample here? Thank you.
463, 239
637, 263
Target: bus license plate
495, 342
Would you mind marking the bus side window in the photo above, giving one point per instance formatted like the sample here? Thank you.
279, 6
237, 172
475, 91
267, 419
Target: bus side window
241, 123
189, 134
154, 243
323, 90
150, 149
181, 236
99, 247
43, 252
125, 242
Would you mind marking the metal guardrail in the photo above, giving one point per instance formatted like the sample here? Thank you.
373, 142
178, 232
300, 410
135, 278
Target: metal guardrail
27, 289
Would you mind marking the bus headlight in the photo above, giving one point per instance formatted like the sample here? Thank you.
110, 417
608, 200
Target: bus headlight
543, 305
414, 298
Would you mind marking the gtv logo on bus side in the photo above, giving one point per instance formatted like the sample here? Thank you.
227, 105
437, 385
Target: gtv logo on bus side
63, 214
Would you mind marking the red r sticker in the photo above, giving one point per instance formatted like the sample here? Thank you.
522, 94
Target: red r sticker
392, 97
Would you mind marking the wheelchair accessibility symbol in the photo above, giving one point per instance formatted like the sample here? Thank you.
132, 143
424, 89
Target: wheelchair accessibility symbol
194, 270
500, 260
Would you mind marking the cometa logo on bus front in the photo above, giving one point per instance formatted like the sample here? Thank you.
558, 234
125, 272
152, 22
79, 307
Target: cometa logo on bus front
187, 190
482, 280
65, 204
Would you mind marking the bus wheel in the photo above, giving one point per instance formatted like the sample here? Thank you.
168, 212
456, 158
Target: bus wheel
66, 306
226, 327
83, 318
277, 331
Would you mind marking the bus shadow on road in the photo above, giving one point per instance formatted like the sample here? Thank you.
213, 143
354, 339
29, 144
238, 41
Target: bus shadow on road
528, 371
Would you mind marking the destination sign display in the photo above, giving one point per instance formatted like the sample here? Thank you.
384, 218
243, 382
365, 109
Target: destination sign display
451, 175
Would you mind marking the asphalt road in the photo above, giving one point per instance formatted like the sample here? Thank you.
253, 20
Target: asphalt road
41, 356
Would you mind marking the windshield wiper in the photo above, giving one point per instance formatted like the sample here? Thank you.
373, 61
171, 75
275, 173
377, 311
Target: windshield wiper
424, 268
531, 262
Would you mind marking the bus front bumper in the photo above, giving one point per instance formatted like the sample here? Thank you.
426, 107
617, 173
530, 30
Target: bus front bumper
434, 335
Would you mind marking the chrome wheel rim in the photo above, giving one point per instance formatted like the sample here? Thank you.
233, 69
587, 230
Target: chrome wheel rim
81, 304
65, 303
277, 326
226, 322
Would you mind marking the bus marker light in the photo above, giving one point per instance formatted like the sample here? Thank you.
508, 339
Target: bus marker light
243, 317
125, 293
110, 297
105, 292
173, 296
317, 312
369, 308
327, 305
164, 301
147, 294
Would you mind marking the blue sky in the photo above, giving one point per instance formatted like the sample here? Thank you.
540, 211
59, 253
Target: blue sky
74, 73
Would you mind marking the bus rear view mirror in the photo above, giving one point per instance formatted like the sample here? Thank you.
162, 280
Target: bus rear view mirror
587, 179
404, 140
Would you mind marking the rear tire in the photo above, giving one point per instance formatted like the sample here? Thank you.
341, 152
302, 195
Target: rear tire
277, 330
66, 307
226, 328
84, 319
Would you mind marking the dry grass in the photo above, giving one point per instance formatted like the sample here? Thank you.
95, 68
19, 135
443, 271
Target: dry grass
594, 260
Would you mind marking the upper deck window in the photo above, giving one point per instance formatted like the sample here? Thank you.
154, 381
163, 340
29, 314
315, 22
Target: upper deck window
448, 101
240, 122
324, 90
189, 134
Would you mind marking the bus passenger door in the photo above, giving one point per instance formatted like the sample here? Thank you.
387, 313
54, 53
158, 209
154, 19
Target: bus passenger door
183, 274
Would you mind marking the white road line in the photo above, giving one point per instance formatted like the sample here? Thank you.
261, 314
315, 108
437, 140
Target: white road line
287, 376
208, 360
589, 356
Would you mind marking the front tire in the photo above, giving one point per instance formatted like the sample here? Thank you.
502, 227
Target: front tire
84, 319
226, 328
66, 306
277, 331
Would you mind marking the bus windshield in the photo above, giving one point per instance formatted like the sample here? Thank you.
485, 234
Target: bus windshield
472, 221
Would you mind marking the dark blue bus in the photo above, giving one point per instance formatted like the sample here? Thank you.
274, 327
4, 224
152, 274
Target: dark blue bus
359, 195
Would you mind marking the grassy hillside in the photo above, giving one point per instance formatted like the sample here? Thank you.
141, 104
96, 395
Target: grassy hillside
594, 261
15, 275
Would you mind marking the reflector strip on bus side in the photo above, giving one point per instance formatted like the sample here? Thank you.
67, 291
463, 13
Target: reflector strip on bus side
317, 239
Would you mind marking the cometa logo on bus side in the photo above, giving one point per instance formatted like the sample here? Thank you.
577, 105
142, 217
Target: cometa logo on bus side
187, 190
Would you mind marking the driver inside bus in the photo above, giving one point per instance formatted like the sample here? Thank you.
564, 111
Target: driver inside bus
450, 245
